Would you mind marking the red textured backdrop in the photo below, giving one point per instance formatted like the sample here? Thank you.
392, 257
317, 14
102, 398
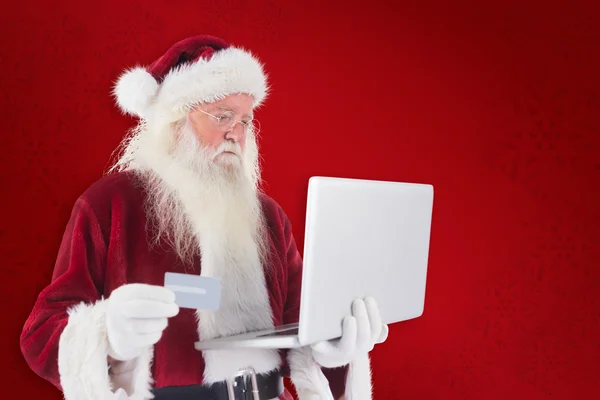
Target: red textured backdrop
497, 105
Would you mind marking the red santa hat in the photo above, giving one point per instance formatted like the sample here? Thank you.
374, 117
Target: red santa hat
194, 70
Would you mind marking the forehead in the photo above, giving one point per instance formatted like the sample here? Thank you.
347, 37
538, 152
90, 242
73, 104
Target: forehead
238, 103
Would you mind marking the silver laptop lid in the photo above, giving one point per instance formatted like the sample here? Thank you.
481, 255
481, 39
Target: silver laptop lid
363, 238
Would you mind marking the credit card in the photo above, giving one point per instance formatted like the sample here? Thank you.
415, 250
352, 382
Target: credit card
194, 291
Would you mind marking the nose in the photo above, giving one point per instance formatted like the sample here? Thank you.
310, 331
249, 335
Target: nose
236, 133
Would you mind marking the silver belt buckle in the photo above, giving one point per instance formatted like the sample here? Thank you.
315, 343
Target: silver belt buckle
244, 373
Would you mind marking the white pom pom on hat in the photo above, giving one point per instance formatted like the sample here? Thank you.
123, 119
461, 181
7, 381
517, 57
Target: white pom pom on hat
134, 89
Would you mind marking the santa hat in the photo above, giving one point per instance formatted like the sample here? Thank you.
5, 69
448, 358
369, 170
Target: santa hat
194, 70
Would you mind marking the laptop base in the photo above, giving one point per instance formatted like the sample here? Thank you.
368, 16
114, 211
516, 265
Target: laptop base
282, 337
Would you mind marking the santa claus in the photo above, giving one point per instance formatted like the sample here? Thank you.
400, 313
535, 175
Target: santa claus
184, 196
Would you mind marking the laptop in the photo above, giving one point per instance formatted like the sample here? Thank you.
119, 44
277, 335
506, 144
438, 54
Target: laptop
362, 238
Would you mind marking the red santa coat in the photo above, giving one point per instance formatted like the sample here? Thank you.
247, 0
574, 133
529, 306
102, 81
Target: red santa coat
105, 246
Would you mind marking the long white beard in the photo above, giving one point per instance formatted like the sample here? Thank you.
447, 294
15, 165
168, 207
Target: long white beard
211, 208
180, 178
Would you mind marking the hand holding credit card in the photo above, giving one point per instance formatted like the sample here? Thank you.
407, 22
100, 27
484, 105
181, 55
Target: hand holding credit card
194, 291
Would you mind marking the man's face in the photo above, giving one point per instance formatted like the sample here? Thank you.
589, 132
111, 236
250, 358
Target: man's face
222, 126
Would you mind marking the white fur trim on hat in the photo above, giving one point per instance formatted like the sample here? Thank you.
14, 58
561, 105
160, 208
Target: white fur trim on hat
228, 71
134, 90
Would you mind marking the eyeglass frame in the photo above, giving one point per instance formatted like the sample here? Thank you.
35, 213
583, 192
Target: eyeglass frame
232, 127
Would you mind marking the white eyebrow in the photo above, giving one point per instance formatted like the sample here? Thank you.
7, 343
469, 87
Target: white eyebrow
227, 108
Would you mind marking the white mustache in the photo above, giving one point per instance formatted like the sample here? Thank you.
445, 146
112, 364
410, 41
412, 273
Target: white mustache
228, 147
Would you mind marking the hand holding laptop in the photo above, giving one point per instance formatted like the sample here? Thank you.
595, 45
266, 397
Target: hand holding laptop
361, 332
361, 238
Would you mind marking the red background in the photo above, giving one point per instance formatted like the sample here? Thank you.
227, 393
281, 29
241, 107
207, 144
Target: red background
496, 105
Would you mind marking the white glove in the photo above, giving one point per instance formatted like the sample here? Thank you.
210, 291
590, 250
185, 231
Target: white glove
136, 316
360, 333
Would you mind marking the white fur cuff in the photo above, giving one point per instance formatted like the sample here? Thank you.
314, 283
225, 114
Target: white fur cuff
311, 384
83, 360
358, 381
307, 376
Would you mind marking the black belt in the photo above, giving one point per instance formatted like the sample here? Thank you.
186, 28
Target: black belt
246, 386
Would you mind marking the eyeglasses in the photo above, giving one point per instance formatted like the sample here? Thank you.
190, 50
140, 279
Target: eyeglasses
226, 122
